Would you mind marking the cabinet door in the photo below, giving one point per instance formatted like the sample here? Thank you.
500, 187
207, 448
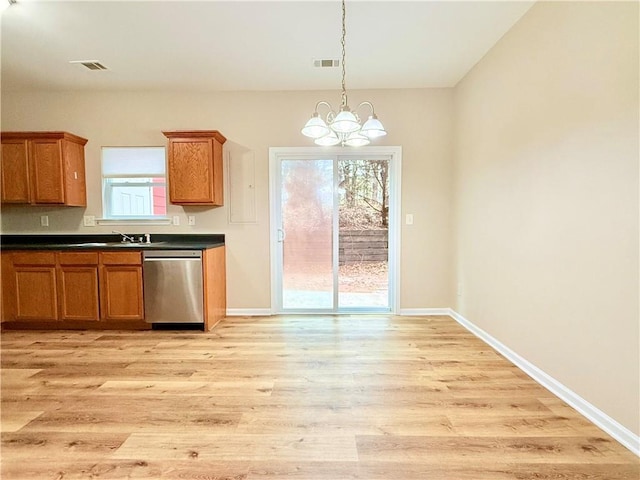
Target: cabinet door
75, 189
8, 288
14, 172
191, 171
121, 292
78, 292
36, 292
46, 171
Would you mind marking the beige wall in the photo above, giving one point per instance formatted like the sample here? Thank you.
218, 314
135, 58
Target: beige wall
546, 196
418, 120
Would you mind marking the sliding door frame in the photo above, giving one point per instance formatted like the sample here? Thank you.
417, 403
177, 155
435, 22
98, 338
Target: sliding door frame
276, 155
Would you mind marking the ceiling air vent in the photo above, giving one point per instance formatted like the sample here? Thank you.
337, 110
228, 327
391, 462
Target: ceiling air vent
326, 63
90, 64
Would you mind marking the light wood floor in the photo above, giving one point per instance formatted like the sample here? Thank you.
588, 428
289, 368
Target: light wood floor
331, 398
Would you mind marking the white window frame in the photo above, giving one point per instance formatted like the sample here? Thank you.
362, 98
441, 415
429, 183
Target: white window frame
108, 185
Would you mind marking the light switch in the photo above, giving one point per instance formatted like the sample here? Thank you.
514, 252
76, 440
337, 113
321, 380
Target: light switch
89, 220
409, 219
176, 220
44, 220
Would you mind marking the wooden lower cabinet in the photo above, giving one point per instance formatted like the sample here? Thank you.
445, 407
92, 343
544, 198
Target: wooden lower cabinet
33, 282
215, 288
73, 289
36, 293
78, 286
121, 296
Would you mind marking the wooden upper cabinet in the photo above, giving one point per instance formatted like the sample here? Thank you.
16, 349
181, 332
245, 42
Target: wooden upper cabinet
43, 168
195, 172
47, 169
14, 171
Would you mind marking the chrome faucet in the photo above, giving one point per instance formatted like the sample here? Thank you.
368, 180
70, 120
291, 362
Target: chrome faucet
125, 238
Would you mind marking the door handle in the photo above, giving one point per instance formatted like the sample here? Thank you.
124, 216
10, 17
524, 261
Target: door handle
281, 235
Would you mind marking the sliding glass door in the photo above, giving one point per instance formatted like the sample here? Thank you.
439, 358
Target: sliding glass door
333, 225
306, 234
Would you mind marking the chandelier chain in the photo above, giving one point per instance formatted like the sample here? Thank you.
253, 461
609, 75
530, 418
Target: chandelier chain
345, 126
344, 53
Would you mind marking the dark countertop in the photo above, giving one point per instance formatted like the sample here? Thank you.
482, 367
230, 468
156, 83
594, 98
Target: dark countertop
159, 241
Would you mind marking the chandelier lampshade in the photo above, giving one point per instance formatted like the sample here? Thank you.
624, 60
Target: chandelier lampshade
316, 127
373, 128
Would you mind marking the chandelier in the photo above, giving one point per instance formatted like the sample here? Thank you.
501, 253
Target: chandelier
343, 127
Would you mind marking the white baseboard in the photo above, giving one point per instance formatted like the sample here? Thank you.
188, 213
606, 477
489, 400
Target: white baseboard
424, 311
263, 312
622, 434
248, 312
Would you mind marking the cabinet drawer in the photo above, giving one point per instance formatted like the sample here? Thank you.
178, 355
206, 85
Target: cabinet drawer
78, 258
34, 258
121, 258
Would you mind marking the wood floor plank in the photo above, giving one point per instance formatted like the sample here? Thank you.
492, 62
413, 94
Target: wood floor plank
51, 446
292, 397
186, 387
327, 448
283, 470
491, 450
494, 471
134, 420
8, 375
12, 421
115, 469
532, 426
340, 420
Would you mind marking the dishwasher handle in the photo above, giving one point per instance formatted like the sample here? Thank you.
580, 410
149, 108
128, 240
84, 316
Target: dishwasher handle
172, 259
167, 254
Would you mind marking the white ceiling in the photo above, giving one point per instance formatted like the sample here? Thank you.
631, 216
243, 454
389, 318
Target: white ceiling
247, 45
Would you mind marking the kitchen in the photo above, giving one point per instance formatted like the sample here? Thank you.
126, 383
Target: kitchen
469, 191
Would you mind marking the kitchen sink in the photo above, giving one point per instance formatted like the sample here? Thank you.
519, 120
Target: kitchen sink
136, 245
89, 244
116, 244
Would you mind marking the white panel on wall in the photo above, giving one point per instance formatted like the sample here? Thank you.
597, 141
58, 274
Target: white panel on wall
241, 177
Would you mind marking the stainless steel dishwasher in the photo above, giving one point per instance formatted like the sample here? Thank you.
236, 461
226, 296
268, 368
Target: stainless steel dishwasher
173, 291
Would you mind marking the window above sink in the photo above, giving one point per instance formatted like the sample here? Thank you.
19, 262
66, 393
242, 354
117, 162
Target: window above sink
134, 185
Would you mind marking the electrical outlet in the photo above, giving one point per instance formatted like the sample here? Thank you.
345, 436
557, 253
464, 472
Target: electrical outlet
409, 219
191, 220
176, 220
44, 220
89, 220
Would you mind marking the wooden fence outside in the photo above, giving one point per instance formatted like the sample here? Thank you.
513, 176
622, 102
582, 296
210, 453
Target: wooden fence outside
363, 246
